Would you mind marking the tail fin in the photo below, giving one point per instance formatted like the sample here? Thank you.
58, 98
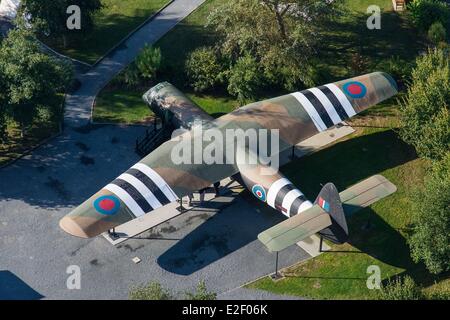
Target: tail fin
329, 200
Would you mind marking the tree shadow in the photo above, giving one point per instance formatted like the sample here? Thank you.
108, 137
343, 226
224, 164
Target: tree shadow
349, 35
348, 162
13, 288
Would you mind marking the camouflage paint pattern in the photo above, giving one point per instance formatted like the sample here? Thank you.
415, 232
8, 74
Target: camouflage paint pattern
294, 120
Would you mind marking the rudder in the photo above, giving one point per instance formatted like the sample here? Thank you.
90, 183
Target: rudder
329, 200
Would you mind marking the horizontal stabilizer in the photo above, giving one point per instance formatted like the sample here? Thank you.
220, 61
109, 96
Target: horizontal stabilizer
365, 193
295, 229
315, 219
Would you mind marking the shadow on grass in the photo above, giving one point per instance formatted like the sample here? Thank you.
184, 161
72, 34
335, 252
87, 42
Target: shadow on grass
349, 35
349, 162
345, 164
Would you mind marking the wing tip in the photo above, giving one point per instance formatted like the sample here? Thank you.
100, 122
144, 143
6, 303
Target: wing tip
390, 187
390, 79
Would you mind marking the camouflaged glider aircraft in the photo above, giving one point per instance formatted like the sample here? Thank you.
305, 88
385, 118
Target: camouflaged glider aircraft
156, 181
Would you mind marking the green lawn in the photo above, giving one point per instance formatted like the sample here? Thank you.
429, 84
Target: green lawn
397, 39
377, 234
126, 106
112, 23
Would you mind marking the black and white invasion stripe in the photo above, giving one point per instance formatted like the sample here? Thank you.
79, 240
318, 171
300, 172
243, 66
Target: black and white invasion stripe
142, 189
284, 196
326, 105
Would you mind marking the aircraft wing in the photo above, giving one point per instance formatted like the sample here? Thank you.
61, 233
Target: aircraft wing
315, 219
301, 115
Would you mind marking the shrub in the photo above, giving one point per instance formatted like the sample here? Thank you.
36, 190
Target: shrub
425, 116
426, 12
398, 68
437, 33
430, 239
245, 79
148, 62
201, 293
151, 291
203, 69
401, 289
131, 75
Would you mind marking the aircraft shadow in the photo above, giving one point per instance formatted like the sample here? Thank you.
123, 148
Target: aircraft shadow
225, 232
238, 225
13, 288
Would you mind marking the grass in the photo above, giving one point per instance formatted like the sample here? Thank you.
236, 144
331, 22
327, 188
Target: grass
128, 107
349, 35
175, 47
377, 234
112, 23
15, 146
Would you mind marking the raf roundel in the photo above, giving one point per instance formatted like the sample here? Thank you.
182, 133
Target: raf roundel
259, 192
355, 89
107, 205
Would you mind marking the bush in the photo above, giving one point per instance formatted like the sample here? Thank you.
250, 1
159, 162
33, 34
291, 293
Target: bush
437, 33
425, 116
154, 291
151, 291
245, 79
398, 68
131, 75
203, 69
430, 239
201, 293
149, 62
426, 12
401, 289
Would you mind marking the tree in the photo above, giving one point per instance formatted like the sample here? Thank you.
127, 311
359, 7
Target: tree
3, 108
31, 79
50, 17
155, 291
204, 69
245, 79
437, 33
425, 116
426, 12
201, 293
279, 35
149, 62
430, 241
151, 291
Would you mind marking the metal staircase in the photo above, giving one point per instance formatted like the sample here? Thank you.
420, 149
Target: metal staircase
154, 137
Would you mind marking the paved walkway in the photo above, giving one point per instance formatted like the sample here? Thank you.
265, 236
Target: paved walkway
38, 190
78, 105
